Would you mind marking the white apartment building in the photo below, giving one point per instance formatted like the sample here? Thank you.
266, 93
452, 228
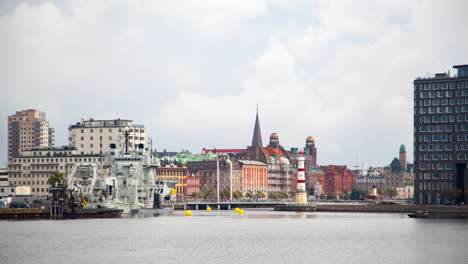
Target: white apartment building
34, 167
91, 137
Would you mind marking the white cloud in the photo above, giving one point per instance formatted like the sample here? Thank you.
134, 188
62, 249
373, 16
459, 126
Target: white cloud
193, 71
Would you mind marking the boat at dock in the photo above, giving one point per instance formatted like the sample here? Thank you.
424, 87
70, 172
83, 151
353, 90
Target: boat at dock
129, 182
84, 213
439, 215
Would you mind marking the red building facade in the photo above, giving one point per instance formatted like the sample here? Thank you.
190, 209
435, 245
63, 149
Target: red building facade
336, 178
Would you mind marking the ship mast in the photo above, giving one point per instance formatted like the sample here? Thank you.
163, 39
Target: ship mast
126, 140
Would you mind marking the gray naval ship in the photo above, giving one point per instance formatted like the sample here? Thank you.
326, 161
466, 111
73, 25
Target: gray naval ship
129, 182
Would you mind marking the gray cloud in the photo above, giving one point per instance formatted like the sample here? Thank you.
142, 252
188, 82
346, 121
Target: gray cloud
193, 71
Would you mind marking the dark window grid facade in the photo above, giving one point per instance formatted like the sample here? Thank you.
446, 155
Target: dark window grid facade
440, 135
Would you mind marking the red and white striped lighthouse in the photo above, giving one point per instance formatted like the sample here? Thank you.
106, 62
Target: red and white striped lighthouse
301, 194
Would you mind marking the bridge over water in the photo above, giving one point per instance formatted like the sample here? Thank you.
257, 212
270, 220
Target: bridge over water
227, 205
202, 205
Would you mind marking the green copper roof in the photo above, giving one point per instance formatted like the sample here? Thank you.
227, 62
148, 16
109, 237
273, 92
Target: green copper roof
402, 148
184, 158
316, 170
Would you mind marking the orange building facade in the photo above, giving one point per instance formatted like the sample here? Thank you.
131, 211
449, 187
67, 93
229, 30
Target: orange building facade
254, 176
178, 174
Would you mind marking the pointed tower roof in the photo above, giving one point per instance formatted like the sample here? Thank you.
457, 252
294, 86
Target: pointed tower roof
257, 135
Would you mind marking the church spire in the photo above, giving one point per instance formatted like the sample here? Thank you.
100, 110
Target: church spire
257, 135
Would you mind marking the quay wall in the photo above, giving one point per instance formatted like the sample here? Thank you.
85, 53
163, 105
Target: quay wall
375, 208
24, 213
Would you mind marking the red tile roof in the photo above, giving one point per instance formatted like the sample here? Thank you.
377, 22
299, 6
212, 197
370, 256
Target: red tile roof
223, 150
272, 152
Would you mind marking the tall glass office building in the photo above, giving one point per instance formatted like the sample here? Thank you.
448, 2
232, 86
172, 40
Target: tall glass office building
441, 137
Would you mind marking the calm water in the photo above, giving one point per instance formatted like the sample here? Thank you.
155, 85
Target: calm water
225, 237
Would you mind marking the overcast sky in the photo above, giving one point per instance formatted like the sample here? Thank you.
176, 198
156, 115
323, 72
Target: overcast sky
193, 71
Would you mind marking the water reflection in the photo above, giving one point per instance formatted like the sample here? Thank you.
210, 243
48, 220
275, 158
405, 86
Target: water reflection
250, 214
258, 236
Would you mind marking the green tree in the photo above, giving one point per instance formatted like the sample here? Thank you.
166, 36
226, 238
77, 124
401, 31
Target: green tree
345, 194
322, 196
249, 194
225, 194
57, 180
58, 186
277, 195
331, 196
392, 192
237, 195
211, 194
260, 195
357, 194
199, 195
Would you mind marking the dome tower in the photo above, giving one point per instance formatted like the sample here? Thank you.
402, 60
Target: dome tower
274, 141
311, 150
403, 157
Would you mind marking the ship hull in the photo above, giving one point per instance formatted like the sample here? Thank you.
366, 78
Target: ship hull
80, 213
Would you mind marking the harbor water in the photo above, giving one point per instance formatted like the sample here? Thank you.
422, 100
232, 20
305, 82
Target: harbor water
258, 236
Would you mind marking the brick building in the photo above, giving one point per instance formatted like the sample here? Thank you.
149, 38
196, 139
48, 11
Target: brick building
202, 175
337, 178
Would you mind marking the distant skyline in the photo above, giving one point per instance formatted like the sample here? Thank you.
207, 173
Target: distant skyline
193, 72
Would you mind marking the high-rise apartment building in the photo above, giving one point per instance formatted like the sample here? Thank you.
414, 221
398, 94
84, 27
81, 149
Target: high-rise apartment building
28, 129
91, 137
441, 136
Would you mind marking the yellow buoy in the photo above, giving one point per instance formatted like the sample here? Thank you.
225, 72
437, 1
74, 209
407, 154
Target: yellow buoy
188, 213
208, 209
241, 212
237, 209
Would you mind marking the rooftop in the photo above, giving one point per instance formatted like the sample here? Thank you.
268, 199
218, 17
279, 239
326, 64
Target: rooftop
462, 72
252, 162
62, 148
223, 150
